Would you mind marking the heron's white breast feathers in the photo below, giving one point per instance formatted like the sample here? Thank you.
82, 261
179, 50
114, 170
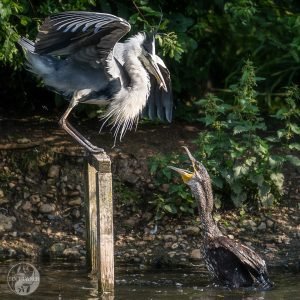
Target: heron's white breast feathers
128, 103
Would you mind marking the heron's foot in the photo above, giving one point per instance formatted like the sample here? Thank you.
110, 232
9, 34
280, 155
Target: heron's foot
95, 150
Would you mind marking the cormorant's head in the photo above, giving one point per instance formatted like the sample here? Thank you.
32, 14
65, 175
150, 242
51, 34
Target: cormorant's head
199, 182
199, 173
148, 57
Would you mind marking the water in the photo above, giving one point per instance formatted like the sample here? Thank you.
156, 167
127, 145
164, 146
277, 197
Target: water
70, 281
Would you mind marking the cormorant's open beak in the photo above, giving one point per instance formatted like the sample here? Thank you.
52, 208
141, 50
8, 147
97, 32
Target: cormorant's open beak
191, 157
186, 175
151, 65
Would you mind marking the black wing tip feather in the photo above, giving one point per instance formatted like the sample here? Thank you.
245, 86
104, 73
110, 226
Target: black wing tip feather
90, 14
65, 33
160, 102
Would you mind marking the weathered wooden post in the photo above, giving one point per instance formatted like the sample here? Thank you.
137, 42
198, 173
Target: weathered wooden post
99, 217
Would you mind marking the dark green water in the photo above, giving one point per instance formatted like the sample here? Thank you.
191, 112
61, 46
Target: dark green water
68, 281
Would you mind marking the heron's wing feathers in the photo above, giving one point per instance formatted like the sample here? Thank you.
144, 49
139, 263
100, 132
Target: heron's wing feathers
160, 102
87, 36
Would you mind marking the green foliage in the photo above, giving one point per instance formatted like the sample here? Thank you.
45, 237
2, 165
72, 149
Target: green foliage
244, 166
243, 160
18, 17
9, 28
203, 43
173, 197
127, 196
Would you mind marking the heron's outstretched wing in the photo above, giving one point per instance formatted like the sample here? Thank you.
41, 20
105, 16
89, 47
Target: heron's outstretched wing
86, 36
160, 102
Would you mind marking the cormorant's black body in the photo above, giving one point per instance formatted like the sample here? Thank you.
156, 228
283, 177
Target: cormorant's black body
231, 263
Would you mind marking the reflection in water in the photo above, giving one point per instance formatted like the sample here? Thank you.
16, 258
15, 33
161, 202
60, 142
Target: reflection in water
69, 281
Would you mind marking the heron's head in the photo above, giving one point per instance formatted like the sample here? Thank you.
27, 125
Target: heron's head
197, 175
143, 45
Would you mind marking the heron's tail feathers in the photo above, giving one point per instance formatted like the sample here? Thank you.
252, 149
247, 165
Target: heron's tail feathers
37, 64
26, 44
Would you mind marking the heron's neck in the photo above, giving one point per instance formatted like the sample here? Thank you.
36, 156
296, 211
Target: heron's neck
133, 98
139, 83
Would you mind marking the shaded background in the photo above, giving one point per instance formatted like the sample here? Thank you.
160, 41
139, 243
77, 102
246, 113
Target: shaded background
204, 44
234, 68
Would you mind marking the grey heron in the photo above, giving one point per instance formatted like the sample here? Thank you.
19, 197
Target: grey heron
78, 54
231, 263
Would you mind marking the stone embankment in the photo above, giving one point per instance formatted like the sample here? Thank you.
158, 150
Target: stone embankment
42, 214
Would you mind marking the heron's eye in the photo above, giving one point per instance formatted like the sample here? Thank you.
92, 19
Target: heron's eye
145, 52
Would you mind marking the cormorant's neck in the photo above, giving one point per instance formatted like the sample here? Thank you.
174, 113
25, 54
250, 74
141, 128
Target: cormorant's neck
204, 200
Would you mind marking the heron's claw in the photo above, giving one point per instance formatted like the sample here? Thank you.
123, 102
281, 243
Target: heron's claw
96, 150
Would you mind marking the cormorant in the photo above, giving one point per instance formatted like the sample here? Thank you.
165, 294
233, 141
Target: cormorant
231, 263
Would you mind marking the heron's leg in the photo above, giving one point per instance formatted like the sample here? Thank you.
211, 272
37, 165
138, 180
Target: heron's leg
73, 132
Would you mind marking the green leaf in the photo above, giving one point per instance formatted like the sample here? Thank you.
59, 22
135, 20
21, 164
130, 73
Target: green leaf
294, 146
167, 173
170, 208
259, 78
272, 162
268, 200
202, 102
281, 133
237, 171
208, 119
257, 179
150, 11
24, 20
218, 182
183, 208
217, 202
294, 160
237, 187
239, 129
272, 139
264, 190
240, 170
250, 161
278, 179
238, 199
153, 168
295, 128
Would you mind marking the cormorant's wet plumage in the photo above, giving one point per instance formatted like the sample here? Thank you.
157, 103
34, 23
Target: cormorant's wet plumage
231, 263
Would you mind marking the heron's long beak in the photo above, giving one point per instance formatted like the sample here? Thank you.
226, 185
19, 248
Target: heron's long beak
186, 175
151, 65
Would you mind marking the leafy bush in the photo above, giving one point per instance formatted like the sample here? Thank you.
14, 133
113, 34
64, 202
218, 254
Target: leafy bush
206, 41
172, 197
242, 158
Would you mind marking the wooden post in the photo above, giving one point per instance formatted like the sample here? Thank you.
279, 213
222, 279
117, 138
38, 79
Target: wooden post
99, 225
